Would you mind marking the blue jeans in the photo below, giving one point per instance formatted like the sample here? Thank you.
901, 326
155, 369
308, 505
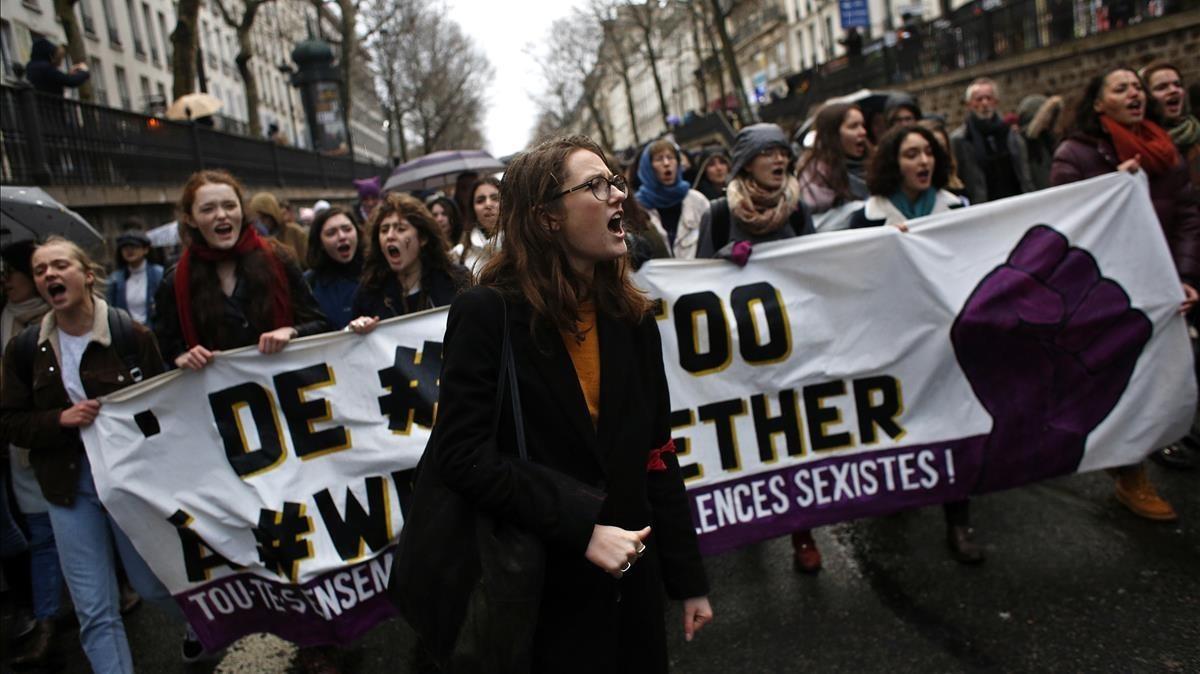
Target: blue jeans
44, 570
85, 536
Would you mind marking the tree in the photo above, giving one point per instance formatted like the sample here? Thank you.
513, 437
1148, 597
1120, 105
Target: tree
646, 16
573, 73
243, 25
184, 41
392, 21
735, 73
76, 47
701, 85
614, 46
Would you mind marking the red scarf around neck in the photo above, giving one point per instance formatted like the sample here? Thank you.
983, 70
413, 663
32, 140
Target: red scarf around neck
248, 242
1158, 153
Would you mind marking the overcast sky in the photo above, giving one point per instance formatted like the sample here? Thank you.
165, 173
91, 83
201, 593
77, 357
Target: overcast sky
502, 30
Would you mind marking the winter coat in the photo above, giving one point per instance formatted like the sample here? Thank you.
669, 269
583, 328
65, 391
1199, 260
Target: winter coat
44, 75
335, 296
116, 288
879, 210
239, 331
1176, 202
799, 224
687, 232
578, 475
971, 173
438, 289
29, 413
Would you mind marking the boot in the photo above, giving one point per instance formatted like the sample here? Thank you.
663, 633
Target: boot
1134, 491
806, 558
37, 649
962, 544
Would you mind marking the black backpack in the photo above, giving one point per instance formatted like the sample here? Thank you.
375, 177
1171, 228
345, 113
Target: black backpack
120, 326
719, 222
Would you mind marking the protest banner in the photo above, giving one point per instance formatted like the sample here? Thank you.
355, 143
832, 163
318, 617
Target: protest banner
835, 376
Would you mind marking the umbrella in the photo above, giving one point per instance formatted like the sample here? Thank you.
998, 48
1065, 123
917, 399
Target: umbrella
165, 236
30, 213
439, 169
869, 101
193, 106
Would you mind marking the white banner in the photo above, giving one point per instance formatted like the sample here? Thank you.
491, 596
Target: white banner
835, 376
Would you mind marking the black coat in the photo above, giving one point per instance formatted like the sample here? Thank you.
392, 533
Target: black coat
438, 289
239, 329
44, 75
578, 476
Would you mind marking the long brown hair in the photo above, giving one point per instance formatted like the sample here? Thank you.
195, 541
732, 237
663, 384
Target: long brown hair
253, 269
826, 155
533, 265
433, 255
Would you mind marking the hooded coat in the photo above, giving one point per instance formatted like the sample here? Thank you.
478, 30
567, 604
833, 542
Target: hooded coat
44, 75
703, 184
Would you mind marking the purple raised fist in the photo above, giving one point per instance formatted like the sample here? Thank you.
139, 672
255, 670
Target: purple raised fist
1048, 345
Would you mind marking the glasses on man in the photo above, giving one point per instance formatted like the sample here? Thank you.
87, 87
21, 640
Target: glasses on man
601, 187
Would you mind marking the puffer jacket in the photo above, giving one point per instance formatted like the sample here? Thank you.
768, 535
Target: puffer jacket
30, 405
1176, 201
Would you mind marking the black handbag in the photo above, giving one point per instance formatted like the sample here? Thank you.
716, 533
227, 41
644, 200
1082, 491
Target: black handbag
479, 612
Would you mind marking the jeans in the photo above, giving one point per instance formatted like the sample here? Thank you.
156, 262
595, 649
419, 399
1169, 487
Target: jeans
85, 536
12, 541
44, 569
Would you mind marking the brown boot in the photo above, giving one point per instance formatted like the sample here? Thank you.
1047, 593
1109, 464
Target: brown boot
1135, 492
37, 649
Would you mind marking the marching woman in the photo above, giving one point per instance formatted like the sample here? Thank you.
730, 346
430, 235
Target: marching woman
479, 238
77, 353
448, 217
1109, 133
832, 173
675, 209
231, 287
334, 264
407, 267
601, 488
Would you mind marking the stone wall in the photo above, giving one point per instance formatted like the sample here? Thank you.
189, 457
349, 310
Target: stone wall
1065, 69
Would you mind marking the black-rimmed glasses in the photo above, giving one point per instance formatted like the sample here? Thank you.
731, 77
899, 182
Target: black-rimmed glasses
601, 187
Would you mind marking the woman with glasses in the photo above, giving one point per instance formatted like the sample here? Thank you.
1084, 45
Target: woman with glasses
674, 208
601, 488
762, 202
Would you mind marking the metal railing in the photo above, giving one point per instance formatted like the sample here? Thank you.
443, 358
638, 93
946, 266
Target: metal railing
49, 140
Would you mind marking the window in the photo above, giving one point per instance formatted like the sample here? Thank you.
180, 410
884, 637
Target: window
144, 85
87, 18
99, 86
162, 32
114, 34
208, 47
162, 91
146, 17
139, 46
123, 88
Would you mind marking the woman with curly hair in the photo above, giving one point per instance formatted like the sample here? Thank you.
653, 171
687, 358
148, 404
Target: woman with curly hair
335, 263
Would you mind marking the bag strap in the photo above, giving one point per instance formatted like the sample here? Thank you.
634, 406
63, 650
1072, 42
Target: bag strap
508, 373
719, 225
120, 326
25, 345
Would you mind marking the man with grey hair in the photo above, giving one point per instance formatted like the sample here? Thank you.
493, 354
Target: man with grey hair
987, 149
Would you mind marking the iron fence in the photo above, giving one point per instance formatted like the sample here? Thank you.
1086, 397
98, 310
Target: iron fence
49, 140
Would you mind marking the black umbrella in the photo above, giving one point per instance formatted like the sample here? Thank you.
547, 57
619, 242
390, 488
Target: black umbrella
31, 213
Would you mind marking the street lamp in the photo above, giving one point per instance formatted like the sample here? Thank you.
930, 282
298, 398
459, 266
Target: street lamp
286, 70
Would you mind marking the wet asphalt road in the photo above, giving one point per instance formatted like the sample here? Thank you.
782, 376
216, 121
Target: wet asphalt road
1072, 582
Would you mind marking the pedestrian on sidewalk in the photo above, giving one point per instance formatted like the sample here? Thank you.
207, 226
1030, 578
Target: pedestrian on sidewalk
673, 206
601, 489
74, 356
334, 264
407, 267
832, 173
43, 72
1109, 132
986, 147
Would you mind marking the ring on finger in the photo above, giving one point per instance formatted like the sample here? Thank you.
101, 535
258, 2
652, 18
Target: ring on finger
625, 568
641, 549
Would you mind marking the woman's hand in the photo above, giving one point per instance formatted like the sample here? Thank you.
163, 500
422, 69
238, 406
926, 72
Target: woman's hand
80, 414
615, 549
275, 340
1131, 165
697, 613
1190, 296
363, 325
902, 226
194, 358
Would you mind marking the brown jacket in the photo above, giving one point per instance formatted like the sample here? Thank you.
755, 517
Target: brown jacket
29, 415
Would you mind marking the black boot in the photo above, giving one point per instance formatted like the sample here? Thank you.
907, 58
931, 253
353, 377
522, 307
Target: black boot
962, 544
37, 648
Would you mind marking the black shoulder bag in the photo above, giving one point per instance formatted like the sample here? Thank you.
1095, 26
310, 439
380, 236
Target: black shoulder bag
469, 584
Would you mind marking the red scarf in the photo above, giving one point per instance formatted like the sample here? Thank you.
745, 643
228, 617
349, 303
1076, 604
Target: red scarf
248, 242
1158, 153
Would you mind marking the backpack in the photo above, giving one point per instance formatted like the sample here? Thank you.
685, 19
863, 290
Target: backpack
718, 224
120, 326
